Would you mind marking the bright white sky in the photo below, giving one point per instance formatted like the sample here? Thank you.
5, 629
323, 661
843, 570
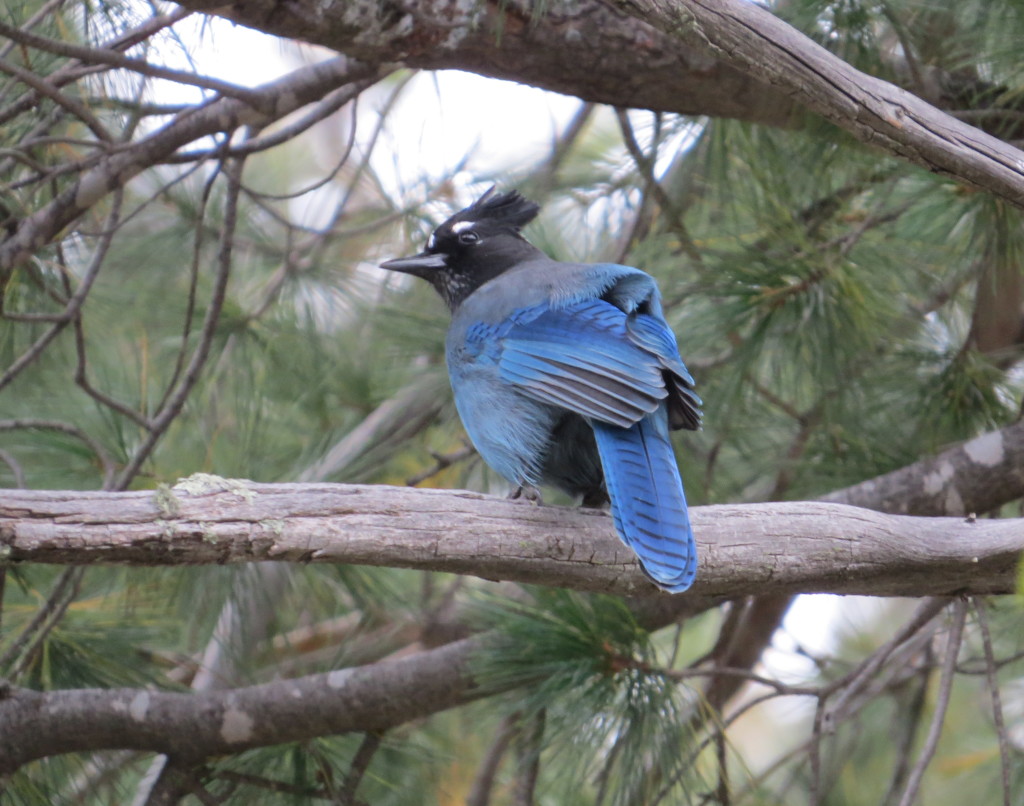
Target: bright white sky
439, 119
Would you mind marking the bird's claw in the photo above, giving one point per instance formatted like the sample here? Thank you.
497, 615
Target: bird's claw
529, 493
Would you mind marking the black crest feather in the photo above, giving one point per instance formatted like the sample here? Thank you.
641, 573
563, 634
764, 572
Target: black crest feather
505, 209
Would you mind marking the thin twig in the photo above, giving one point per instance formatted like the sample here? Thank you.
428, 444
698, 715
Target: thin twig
325, 108
48, 90
818, 731
645, 165
723, 671
15, 468
30, 423
173, 784
43, 621
722, 757
193, 284
993, 687
953, 641
163, 418
263, 196
283, 787
108, 57
82, 380
865, 670
361, 761
907, 728
707, 741
483, 783
528, 747
547, 171
40, 15
319, 245
74, 307
441, 462
605, 777
32, 353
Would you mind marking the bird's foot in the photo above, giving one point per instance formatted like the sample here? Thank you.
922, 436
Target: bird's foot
527, 492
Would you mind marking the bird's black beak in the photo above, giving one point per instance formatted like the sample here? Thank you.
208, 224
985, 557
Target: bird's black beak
420, 265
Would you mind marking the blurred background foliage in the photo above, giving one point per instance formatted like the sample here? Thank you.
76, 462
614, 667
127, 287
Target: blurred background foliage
844, 313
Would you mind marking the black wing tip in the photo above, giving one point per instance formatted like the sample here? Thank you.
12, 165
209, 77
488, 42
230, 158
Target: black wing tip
685, 417
684, 408
510, 208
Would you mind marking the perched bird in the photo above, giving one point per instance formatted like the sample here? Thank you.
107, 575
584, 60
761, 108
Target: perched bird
566, 374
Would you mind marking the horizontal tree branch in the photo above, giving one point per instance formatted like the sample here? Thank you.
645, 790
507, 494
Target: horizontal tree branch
421, 526
190, 727
747, 549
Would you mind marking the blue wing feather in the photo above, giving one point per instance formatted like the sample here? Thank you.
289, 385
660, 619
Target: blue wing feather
581, 356
647, 499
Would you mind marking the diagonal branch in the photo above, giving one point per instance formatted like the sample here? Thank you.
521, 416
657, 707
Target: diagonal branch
978, 476
271, 102
748, 37
953, 643
722, 58
584, 48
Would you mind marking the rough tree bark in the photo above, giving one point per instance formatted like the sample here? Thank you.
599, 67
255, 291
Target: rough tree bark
723, 58
745, 549
754, 548
585, 48
191, 727
874, 111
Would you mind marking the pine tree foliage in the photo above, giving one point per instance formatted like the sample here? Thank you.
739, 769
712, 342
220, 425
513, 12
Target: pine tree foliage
845, 314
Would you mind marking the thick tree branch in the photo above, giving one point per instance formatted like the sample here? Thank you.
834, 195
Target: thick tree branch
752, 39
723, 58
539, 541
577, 47
745, 549
194, 726
977, 476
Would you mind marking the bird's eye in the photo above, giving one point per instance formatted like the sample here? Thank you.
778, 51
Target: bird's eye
468, 237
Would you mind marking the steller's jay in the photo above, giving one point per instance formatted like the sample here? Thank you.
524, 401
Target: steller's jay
566, 374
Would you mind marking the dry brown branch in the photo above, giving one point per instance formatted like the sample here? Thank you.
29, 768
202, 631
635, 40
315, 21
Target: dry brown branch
749, 38
585, 48
192, 727
723, 58
745, 549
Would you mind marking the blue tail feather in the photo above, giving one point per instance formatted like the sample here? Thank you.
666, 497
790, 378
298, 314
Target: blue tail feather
647, 500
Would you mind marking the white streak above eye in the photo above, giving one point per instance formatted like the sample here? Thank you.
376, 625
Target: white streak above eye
462, 226
432, 240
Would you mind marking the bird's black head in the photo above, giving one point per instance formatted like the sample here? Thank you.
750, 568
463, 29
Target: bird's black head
473, 246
